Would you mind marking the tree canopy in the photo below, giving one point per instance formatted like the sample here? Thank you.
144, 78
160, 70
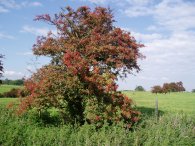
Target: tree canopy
88, 54
169, 87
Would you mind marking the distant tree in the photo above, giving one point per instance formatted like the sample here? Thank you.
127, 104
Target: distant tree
173, 87
169, 87
180, 87
166, 88
139, 88
157, 89
193, 90
88, 54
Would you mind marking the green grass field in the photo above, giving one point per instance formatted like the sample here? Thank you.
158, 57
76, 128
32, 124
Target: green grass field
5, 88
144, 101
171, 102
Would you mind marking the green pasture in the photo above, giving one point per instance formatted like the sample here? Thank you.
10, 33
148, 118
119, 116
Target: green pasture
144, 101
170, 102
6, 88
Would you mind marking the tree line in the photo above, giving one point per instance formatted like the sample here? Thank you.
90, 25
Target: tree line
169, 87
18, 82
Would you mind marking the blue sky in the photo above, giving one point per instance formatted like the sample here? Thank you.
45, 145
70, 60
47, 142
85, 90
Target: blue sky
166, 27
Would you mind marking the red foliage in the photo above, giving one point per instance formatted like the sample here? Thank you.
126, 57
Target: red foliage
87, 56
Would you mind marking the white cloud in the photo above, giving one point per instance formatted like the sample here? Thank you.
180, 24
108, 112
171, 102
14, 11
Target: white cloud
122, 3
139, 2
36, 31
6, 5
3, 10
165, 78
138, 11
9, 4
172, 57
25, 53
36, 4
152, 28
146, 77
176, 42
30, 4
146, 37
12, 74
6, 36
141, 37
96, 1
173, 15
138, 8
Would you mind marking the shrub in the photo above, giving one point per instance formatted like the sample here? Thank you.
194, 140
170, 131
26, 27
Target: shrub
22, 92
14, 92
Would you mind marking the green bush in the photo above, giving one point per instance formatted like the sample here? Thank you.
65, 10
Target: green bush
15, 93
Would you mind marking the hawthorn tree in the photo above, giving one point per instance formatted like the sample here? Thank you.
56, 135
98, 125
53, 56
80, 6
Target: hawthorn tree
88, 54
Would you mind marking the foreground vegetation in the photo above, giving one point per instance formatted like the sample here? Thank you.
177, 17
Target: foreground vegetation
177, 129
173, 127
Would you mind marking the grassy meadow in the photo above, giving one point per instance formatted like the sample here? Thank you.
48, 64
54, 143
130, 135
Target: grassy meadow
5, 88
174, 127
170, 102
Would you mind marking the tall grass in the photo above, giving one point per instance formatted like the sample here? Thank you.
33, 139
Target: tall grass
178, 129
